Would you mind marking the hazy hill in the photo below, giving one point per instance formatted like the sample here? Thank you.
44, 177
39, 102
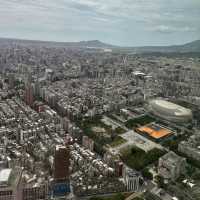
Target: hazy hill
81, 44
189, 47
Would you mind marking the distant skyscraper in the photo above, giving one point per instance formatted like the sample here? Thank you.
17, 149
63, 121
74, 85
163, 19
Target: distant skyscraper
37, 89
29, 98
11, 80
65, 124
28, 79
37, 85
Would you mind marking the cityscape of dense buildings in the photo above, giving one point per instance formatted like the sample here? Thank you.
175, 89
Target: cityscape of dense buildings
90, 123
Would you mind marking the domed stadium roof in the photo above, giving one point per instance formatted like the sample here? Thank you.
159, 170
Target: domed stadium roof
169, 111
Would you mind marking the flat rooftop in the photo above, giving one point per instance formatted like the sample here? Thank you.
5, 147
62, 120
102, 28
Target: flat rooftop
134, 138
10, 177
4, 175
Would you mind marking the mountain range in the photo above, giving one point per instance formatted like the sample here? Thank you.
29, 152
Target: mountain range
185, 48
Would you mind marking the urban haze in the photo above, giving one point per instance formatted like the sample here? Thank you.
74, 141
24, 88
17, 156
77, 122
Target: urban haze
100, 100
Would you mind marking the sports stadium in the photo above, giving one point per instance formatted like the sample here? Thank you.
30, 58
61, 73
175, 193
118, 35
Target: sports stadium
169, 111
154, 131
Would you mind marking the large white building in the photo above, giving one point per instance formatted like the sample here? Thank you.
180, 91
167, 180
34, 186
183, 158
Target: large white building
10, 184
131, 179
170, 111
191, 147
171, 166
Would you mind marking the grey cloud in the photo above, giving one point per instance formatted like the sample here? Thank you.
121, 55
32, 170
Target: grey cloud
171, 29
125, 18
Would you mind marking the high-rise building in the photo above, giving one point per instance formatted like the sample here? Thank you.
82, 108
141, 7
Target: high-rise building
65, 124
35, 192
131, 179
36, 89
88, 143
11, 80
119, 168
61, 183
61, 163
11, 184
29, 92
29, 95
171, 166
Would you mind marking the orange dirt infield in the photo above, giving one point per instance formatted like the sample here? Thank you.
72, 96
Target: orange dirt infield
157, 134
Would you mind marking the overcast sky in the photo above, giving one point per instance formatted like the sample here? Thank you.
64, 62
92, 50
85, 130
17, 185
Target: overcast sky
119, 22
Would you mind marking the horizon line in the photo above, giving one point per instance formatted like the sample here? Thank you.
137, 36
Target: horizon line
78, 41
